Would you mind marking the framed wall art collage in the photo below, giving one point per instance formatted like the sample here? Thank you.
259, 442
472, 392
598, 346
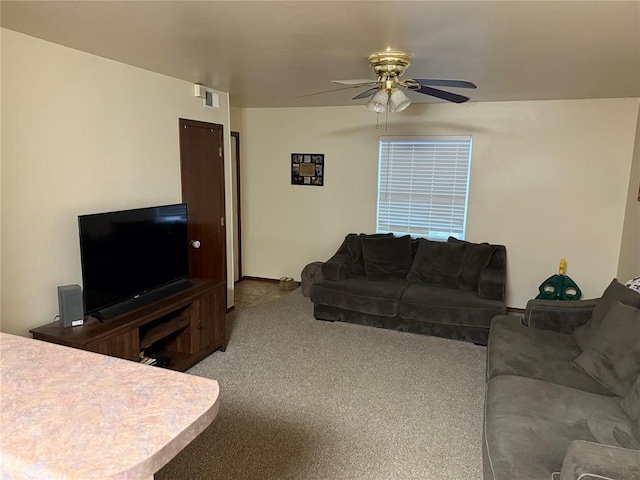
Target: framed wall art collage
307, 169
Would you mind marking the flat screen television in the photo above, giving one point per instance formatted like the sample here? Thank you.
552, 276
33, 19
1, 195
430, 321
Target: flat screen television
132, 257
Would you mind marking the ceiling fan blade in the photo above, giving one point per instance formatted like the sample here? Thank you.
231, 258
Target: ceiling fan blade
333, 90
355, 82
445, 83
434, 92
366, 93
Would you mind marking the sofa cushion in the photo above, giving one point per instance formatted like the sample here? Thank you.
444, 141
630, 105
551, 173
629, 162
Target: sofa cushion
437, 263
530, 423
476, 257
448, 306
493, 278
386, 258
354, 247
533, 353
612, 356
615, 292
360, 295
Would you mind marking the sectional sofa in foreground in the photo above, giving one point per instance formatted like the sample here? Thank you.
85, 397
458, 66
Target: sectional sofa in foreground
563, 390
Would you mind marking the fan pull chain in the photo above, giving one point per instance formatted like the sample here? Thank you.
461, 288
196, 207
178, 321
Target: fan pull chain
386, 121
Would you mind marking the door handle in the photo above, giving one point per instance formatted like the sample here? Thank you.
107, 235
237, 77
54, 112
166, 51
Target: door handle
195, 243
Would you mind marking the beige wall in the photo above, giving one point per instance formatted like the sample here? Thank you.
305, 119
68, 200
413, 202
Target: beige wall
0, 181
629, 263
81, 134
235, 114
84, 134
549, 179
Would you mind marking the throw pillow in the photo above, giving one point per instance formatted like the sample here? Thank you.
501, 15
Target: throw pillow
476, 257
631, 402
354, 246
386, 258
631, 406
437, 263
613, 356
615, 292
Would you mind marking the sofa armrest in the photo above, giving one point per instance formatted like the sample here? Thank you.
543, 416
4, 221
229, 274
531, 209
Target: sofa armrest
311, 274
336, 267
558, 315
493, 278
594, 461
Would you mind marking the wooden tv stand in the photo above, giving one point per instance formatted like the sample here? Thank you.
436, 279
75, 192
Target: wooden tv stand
184, 327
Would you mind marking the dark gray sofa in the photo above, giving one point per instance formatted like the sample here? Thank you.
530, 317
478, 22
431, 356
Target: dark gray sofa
563, 390
449, 289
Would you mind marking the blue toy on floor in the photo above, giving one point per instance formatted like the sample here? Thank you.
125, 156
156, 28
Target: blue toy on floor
559, 287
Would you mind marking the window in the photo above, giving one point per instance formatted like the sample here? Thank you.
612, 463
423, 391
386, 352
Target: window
423, 185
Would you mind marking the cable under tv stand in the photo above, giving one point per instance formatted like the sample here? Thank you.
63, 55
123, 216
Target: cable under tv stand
184, 327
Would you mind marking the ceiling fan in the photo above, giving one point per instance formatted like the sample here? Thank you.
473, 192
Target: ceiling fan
387, 91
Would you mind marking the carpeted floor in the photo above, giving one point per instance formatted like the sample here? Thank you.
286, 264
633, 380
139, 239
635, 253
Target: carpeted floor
306, 399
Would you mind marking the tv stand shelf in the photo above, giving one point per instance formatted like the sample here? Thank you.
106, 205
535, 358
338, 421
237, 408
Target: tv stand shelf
185, 327
162, 328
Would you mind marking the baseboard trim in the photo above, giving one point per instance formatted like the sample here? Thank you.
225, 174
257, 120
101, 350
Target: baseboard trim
515, 310
261, 279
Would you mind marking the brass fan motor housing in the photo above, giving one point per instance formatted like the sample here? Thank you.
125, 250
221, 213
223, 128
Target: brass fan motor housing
389, 63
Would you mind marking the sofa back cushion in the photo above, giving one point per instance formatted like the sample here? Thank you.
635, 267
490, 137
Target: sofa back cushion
437, 263
615, 292
356, 258
493, 278
476, 257
613, 355
386, 257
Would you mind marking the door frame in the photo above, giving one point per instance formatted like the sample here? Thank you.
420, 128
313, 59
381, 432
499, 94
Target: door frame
238, 213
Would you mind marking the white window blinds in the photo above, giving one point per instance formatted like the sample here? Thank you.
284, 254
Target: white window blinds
423, 185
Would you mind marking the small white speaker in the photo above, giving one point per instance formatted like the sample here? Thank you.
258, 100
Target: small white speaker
70, 305
199, 90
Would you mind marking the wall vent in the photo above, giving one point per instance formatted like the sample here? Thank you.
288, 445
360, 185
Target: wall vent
210, 99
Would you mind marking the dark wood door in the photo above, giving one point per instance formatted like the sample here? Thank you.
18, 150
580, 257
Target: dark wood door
202, 171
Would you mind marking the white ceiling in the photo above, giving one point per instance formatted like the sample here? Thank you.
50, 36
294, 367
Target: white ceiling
266, 53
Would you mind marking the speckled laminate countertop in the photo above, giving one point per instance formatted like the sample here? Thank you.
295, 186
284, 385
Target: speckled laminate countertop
70, 414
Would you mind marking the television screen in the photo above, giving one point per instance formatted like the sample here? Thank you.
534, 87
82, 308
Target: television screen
128, 253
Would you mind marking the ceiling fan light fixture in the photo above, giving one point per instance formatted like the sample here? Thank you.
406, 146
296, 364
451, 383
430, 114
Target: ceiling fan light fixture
386, 90
378, 103
398, 101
